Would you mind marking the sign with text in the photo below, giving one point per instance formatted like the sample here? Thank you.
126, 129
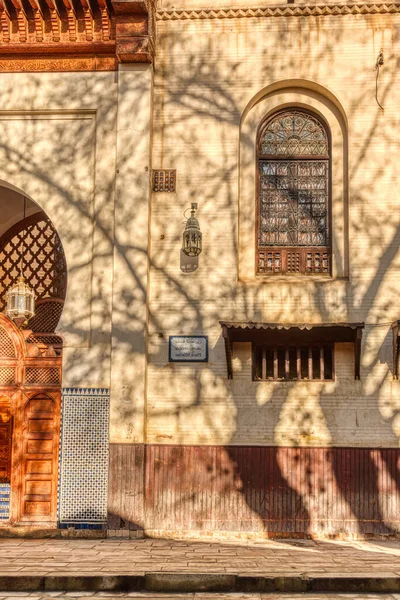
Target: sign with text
188, 348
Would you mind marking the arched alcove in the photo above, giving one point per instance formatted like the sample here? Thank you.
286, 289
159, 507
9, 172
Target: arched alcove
30, 363
31, 246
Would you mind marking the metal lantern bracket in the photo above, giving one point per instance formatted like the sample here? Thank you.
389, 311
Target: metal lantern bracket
193, 206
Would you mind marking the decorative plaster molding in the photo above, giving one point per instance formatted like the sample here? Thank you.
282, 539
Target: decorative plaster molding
26, 64
290, 10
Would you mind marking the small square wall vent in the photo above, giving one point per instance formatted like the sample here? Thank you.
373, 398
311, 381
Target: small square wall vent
164, 180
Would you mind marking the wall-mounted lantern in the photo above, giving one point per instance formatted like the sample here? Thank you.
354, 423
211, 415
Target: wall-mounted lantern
191, 243
20, 298
20, 302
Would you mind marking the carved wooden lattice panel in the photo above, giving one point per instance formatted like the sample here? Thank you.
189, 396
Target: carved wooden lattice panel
294, 260
7, 348
35, 245
42, 376
47, 315
293, 202
7, 375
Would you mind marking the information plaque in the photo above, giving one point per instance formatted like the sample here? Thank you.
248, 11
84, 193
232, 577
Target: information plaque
188, 348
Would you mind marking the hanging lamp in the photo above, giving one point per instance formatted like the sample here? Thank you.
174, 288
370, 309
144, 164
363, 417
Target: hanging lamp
20, 298
191, 242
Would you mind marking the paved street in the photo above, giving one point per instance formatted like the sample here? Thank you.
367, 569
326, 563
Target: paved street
130, 557
147, 596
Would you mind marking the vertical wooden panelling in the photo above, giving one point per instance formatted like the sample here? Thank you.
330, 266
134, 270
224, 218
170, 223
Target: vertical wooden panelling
5, 439
126, 492
39, 466
278, 490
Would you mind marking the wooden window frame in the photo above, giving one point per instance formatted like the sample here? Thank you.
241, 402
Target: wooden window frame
287, 347
311, 260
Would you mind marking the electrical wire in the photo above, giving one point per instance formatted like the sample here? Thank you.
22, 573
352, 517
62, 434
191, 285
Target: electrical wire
376, 88
21, 263
379, 63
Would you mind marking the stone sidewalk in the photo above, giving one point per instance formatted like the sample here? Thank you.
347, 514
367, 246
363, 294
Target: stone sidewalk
195, 566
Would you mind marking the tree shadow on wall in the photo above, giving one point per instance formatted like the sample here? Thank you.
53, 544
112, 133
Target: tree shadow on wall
280, 489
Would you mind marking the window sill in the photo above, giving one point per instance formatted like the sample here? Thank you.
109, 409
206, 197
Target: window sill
271, 279
292, 381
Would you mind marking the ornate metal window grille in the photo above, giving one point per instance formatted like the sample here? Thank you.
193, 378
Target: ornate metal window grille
44, 268
293, 195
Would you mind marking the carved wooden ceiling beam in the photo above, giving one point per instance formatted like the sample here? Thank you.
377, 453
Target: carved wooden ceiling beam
41, 35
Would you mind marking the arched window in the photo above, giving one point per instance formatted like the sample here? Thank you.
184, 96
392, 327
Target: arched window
293, 208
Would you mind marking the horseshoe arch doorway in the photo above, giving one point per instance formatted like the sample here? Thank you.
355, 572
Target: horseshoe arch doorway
30, 365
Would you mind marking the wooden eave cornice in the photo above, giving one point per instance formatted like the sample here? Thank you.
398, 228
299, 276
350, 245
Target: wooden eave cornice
74, 35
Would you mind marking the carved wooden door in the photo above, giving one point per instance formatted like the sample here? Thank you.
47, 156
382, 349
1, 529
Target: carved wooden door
5, 439
40, 440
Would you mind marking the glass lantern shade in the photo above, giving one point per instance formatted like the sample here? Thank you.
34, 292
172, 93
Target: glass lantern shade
192, 243
20, 302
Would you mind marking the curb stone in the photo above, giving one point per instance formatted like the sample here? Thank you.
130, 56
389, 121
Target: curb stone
201, 582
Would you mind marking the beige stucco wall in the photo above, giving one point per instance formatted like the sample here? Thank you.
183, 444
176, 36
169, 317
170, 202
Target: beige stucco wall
77, 144
58, 133
131, 259
212, 76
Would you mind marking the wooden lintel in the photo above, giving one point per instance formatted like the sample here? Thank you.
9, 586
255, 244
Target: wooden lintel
396, 344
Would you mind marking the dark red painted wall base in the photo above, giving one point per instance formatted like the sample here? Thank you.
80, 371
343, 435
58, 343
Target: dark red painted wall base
274, 490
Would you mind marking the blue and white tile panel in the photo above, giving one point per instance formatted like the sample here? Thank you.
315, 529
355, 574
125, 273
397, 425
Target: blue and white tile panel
4, 501
83, 480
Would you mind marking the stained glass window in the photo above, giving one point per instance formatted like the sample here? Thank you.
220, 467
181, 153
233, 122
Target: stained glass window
293, 206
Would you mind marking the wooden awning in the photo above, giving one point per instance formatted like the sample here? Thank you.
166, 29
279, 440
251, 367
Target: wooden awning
285, 334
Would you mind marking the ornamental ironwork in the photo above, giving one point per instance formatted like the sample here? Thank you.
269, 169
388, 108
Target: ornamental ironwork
293, 203
294, 134
44, 266
293, 196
